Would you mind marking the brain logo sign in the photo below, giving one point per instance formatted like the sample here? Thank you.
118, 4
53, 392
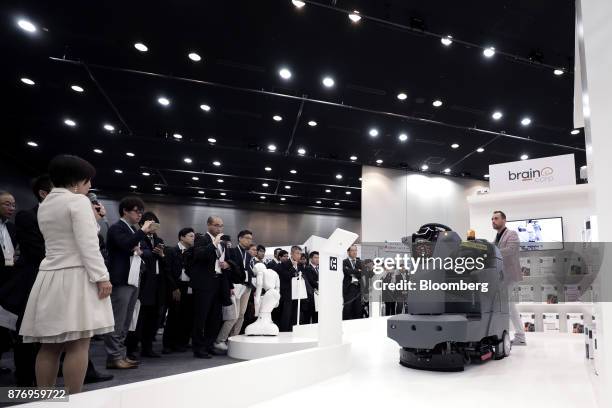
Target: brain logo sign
547, 171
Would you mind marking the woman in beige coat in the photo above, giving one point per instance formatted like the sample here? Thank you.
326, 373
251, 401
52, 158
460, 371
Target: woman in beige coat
69, 302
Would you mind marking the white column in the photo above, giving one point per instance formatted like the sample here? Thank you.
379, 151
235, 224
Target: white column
594, 38
330, 299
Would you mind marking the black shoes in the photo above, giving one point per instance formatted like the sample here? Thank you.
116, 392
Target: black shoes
150, 354
97, 377
201, 354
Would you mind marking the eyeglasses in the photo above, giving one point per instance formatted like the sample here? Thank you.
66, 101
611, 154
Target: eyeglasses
9, 204
137, 211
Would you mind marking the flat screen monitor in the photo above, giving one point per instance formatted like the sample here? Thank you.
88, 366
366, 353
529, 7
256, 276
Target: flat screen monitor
538, 234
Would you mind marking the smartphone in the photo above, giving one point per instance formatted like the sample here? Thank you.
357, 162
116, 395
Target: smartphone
155, 226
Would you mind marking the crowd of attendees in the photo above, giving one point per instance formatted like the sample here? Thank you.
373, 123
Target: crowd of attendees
66, 276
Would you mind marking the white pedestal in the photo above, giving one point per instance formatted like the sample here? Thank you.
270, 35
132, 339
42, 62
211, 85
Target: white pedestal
251, 347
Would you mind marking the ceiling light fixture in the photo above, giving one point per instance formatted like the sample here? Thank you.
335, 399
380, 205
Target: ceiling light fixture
265, 185
336, 203
134, 186
194, 57
200, 192
497, 115
447, 170
293, 171
558, 72
424, 167
109, 127
187, 160
575, 132
177, 136
118, 171
402, 96
268, 168
328, 82
437, 103
282, 198
130, 154
312, 123
262, 197
446, 41
379, 161
480, 150
328, 190
77, 88
146, 174
353, 158
348, 193
354, 16
455, 145
298, 3
277, 118
32, 144
301, 151
205, 108
486, 176
98, 151
271, 147
25, 25
141, 47
524, 157
525, 121
373, 132
284, 73
489, 52
216, 163
339, 176
219, 180
212, 140
163, 101
318, 201
158, 188
287, 187
403, 137
223, 194
195, 178
70, 122
28, 81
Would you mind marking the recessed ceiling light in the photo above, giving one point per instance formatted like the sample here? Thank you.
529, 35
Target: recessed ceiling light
298, 3
277, 118
446, 41
144, 173
480, 150
28, 81
312, 123
524, 157
558, 72
292, 171
32, 144
219, 180
77, 88
200, 192
271, 147
158, 188
109, 127
216, 163
339, 176
265, 185
525, 121
379, 161
130, 154
194, 57
141, 47
223, 194
282, 198
268, 168
284, 73
497, 115
262, 197
26, 26
347, 193
455, 145
212, 140
359, 178
353, 158
177, 136
301, 151
328, 82
195, 178
447, 170
486, 176
403, 137
205, 108
287, 187
402, 96
134, 186
328, 190
98, 151
70, 122
318, 201
489, 52
424, 167
336, 203
437, 103
163, 101
373, 132
354, 16
575, 132
187, 160
118, 171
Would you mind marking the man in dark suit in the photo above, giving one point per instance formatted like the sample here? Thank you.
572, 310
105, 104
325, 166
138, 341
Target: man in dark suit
351, 287
8, 244
205, 262
123, 242
311, 274
179, 323
288, 270
275, 261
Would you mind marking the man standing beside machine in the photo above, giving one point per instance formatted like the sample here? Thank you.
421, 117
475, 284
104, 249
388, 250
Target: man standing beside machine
351, 288
508, 243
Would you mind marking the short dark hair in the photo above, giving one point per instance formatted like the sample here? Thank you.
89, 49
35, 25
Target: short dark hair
303, 256
243, 233
501, 213
43, 183
128, 204
261, 248
349, 248
276, 251
282, 253
211, 219
295, 248
66, 170
149, 216
185, 231
252, 245
312, 254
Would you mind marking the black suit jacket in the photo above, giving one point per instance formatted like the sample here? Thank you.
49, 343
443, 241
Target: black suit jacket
234, 256
6, 273
175, 265
312, 277
120, 241
200, 262
15, 287
286, 272
152, 288
349, 272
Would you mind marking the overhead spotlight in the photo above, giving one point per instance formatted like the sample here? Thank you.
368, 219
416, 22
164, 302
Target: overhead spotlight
163, 101
402, 96
195, 178
489, 52
347, 193
575, 132
373, 132
265, 185
212, 140
26, 25
403, 137
353, 158
437, 103
146, 174
98, 151
272, 147
158, 188
486, 176
268, 168
200, 192
77, 88
141, 47
339, 176
525, 121
292, 171
354, 16
558, 72
219, 180
379, 161
177, 136
455, 145
28, 81
32, 144
301, 151
187, 160
312, 123
336, 203
194, 57
287, 187
109, 127
328, 82
424, 167
216, 163
262, 197
497, 115
359, 178
524, 157
282, 198
284, 73
134, 186
223, 194
298, 3
447, 170
328, 190
130, 154
118, 171
70, 122
480, 150
318, 201
277, 118
205, 108
446, 41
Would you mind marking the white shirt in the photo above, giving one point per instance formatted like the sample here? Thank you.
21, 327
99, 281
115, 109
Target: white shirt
243, 255
7, 244
184, 277
220, 255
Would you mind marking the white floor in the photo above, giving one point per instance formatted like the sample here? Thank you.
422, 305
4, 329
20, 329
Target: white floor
549, 372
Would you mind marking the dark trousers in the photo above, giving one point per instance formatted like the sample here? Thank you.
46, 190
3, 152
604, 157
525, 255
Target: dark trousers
352, 302
179, 323
207, 316
307, 311
148, 323
24, 356
286, 314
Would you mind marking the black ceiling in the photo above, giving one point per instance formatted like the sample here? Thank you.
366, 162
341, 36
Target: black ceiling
243, 44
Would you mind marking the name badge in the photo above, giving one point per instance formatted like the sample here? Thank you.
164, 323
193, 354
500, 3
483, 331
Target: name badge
9, 262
